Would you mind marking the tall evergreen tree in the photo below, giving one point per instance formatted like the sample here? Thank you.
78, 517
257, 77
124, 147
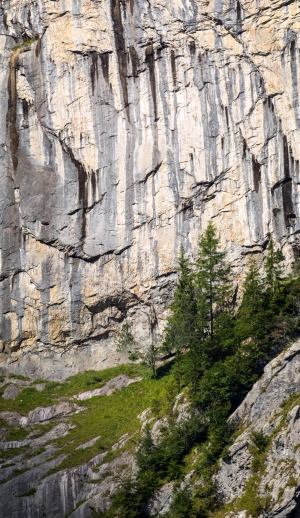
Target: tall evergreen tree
214, 286
181, 324
214, 300
273, 269
180, 330
251, 314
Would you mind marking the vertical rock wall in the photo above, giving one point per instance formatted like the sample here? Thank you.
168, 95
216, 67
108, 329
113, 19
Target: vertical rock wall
125, 126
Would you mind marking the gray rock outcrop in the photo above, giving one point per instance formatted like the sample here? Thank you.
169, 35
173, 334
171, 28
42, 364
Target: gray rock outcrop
271, 407
126, 127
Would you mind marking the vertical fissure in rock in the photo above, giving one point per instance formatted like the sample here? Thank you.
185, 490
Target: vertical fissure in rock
82, 187
286, 164
135, 62
149, 58
244, 149
104, 58
12, 109
227, 117
287, 185
173, 65
256, 168
94, 70
25, 108
192, 47
38, 46
238, 12
120, 49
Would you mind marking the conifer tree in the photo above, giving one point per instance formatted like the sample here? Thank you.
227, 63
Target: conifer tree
273, 269
180, 329
213, 278
214, 288
251, 314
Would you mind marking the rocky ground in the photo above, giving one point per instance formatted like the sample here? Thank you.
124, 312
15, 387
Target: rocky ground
64, 458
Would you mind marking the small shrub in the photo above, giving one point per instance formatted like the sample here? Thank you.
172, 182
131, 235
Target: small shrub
30, 492
292, 482
260, 441
24, 44
133, 357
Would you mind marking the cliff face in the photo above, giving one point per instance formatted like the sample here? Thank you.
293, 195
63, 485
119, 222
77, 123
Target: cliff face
125, 127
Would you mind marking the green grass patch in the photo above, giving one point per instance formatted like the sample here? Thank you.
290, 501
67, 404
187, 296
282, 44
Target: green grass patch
30, 492
30, 398
18, 377
24, 44
110, 417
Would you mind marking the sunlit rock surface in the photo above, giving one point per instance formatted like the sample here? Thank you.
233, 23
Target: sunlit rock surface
125, 127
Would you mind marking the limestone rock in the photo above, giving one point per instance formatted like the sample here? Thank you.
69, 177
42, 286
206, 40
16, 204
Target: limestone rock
109, 388
11, 392
11, 418
126, 127
42, 415
264, 410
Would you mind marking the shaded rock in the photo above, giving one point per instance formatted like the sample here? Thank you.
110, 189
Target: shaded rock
160, 503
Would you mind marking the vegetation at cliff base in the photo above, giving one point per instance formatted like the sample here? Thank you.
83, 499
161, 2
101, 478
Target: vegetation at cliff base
220, 348
218, 338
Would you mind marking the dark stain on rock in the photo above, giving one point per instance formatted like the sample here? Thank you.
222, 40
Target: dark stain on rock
12, 111
94, 69
149, 58
93, 183
287, 185
278, 184
131, 6
256, 168
287, 188
192, 47
5, 21
25, 108
238, 11
82, 187
135, 62
222, 142
286, 163
244, 149
173, 66
293, 49
227, 116
38, 47
261, 84
104, 58
120, 49
270, 103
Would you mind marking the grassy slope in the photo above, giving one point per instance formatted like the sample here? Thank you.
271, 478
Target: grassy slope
107, 416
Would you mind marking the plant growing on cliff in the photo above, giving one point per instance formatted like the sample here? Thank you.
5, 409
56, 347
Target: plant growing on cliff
125, 341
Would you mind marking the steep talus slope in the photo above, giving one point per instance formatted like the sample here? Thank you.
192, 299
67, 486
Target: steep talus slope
125, 127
